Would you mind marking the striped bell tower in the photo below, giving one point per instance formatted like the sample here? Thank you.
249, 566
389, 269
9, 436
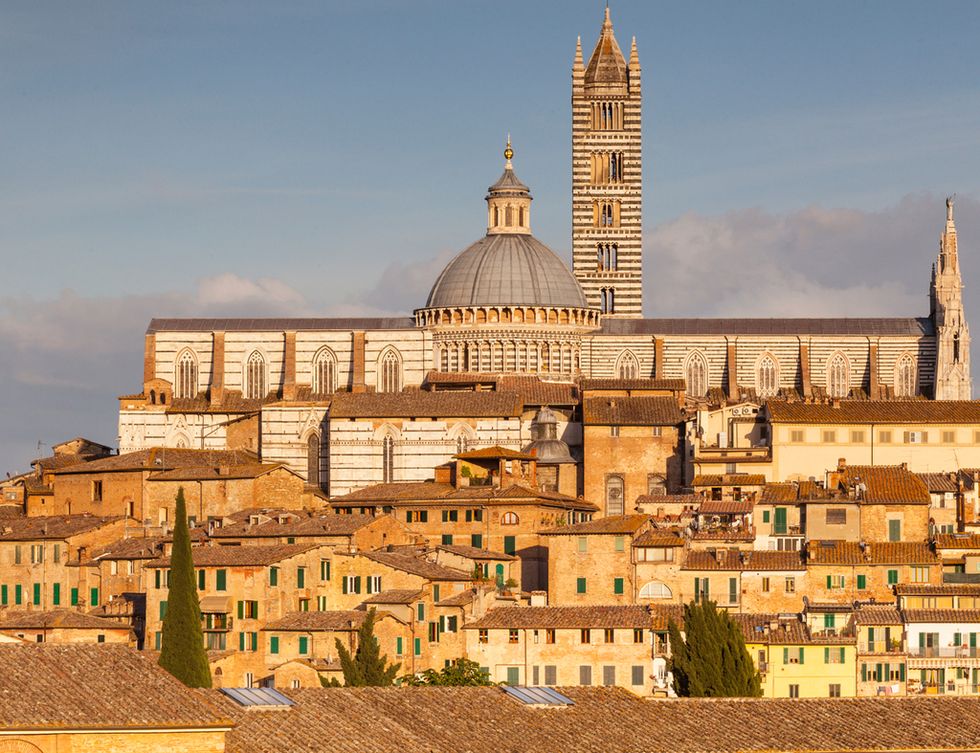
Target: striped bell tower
607, 185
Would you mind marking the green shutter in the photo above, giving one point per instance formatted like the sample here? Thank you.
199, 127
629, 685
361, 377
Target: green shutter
828, 583
864, 672
841, 654
580, 585
765, 516
476, 540
156, 578
93, 597
74, 596
300, 577
732, 590
420, 611
274, 644
18, 594
357, 584
255, 610
303, 645
510, 545
200, 580
780, 525
862, 582
418, 646
221, 580
901, 671
447, 539
241, 640
801, 654
785, 655
697, 590
871, 635
3, 595
241, 610
37, 594
273, 576
617, 585
826, 656
435, 592
399, 645
163, 609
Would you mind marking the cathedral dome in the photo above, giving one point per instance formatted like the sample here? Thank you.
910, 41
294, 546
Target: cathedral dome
509, 266
504, 269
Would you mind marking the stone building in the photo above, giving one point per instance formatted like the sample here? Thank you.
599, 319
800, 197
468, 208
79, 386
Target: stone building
298, 391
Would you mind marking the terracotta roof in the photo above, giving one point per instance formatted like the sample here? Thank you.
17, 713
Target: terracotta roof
674, 385
730, 479
239, 556
723, 559
726, 507
494, 453
942, 615
455, 403
778, 631
689, 500
877, 615
232, 402
395, 596
615, 524
164, 458
475, 553
279, 325
789, 492
631, 411
935, 589
416, 566
305, 525
135, 548
877, 412
939, 482
958, 540
51, 686
413, 493
596, 617
65, 619
659, 538
887, 484
218, 473
460, 599
315, 621
874, 553
535, 392
51, 526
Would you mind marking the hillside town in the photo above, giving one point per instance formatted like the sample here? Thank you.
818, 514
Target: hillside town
529, 475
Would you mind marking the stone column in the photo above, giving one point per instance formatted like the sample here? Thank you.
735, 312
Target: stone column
732, 369
289, 366
217, 368
358, 383
805, 368
658, 357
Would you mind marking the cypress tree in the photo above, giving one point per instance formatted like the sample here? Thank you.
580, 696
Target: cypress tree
711, 658
367, 667
182, 652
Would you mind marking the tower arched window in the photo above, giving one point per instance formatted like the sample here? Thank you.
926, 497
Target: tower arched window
956, 347
628, 367
905, 378
324, 372
255, 377
767, 376
391, 372
388, 459
313, 460
838, 376
614, 495
607, 300
185, 376
696, 374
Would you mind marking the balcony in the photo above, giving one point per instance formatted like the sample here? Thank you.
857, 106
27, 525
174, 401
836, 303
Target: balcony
880, 647
725, 533
944, 652
715, 454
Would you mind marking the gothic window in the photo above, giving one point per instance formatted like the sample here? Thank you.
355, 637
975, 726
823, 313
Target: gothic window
607, 215
628, 367
391, 372
324, 372
313, 460
614, 495
607, 300
905, 378
697, 375
767, 376
443, 358
509, 519
185, 379
388, 459
838, 376
956, 347
255, 377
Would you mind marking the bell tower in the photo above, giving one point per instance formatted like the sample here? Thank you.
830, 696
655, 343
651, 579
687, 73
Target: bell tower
946, 304
607, 190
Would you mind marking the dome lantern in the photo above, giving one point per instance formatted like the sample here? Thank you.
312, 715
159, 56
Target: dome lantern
508, 201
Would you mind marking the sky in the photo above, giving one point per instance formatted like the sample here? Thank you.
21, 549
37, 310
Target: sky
299, 158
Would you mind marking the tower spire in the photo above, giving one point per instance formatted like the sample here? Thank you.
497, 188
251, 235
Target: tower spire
577, 64
949, 319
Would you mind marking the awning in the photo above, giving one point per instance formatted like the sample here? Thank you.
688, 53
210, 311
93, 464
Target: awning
216, 605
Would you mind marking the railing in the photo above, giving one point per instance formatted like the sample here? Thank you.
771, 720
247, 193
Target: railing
961, 577
880, 647
725, 533
732, 453
947, 688
944, 652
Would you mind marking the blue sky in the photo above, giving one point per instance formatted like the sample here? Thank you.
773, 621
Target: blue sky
181, 158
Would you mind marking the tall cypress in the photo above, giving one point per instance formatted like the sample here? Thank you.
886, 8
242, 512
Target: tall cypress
182, 653
367, 667
710, 659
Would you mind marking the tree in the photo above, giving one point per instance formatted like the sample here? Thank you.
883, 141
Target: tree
366, 667
710, 659
460, 672
182, 651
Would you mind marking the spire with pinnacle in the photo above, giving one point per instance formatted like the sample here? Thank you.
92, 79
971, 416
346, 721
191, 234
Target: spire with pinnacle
607, 66
949, 318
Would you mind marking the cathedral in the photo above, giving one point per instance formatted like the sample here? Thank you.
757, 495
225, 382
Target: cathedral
509, 331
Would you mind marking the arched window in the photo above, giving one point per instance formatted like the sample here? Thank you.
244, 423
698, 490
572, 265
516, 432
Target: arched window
628, 366
391, 372
767, 376
324, 372
509, 519
838, 376
607, 301
255, 380
697, 375
956, 347
614, 495
185, 375
906, 383
388, 459
313, 460
655, 590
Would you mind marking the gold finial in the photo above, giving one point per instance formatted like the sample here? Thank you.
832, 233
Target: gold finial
508, 152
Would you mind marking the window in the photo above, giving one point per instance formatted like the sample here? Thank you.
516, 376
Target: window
628, 367
93, 594
836, 516
767, 376
510, 545
857, 437
920, 574
796, 435
619, 543
420, 611
221, 580
701, 590
202, 580
450, 516
637, 635
447, 539
794, 691
37, 553
915, 437
476, 540
580, 585
255, 377
949, 437
829, 436
513, 676
765, 585
697, 375
584, 674
96, 491
655, 590
185, 375
614, 495
351, 584
862, 582
792, 656
550, 674
636, 674
549, 635
300, 577
828, 620
248, 610
609, 675
835, 582
790, 585
391, 372
513, 636
906, 383
894, 529
324, 570
732, 590
833, 655
607, 258
484, 635
313, 460
583, 544
304, 645
834, 690
892, 577
613, 431
324, 372
609, 635
509, 519
656, 484
884, 437
838, 376
388, 460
